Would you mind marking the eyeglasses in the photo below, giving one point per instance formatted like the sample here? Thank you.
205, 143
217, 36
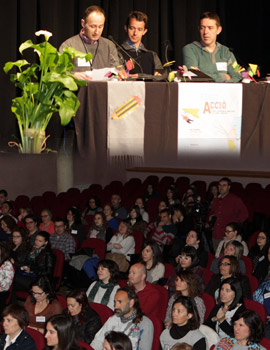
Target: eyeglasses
225, 264
36, 293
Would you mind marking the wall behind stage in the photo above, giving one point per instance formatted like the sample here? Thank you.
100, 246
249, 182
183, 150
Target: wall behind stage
245, 29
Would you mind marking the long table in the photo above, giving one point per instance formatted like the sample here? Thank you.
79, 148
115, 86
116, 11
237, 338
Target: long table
161, 103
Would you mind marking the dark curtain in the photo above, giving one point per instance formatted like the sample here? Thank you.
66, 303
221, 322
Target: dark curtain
245, 29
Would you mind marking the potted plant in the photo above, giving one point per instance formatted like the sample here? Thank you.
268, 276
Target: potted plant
47, 87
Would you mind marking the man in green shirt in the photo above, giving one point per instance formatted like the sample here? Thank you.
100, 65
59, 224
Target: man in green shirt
208, 55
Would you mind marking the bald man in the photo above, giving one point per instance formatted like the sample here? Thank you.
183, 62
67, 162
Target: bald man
146, 292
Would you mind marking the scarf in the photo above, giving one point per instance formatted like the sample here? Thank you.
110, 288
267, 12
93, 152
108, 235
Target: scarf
85, 38
178, 332
99, 284
35, 252
129, 318
228, 343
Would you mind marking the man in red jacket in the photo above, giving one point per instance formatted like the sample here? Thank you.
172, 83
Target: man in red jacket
146, 292
227, 207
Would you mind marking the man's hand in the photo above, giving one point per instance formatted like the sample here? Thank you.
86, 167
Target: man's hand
83, 76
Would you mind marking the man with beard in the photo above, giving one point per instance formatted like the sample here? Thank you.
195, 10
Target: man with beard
128, 319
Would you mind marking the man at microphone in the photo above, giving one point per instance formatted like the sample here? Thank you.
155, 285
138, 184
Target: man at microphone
104, 52
146, 61
208, 55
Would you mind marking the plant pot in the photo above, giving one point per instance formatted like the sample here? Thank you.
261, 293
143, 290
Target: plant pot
34, 141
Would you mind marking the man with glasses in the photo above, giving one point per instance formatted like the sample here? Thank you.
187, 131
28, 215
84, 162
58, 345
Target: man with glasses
227, 207
146, 61
62, 240
31, 223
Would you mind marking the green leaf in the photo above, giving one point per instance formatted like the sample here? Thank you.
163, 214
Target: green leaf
26, 45
67, 80
75, 53
68, 106
9, 65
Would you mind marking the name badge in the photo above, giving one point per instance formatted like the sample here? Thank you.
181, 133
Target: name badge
262, 258
222, 66
82, 62
74, 232
40, 319
267, 295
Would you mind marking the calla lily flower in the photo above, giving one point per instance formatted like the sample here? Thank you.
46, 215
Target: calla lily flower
45, 33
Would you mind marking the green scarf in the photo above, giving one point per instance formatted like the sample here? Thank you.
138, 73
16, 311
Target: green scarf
99, 284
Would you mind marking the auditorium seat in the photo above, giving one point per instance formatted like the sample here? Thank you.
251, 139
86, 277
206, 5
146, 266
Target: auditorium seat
103, 310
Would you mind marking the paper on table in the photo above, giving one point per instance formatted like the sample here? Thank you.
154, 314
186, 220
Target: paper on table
100, 74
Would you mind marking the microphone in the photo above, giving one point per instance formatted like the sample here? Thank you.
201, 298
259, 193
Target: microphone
168, 47
123, 50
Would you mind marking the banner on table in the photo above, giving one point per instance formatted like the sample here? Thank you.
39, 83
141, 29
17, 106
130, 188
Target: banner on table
126, 108
209, 118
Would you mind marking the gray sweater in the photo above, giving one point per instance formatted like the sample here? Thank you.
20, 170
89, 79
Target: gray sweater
191, 338
140, 335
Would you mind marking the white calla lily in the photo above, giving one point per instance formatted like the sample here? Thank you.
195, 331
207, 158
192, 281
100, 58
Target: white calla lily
45, 33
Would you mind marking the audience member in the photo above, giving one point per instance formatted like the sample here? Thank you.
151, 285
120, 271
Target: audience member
6, 274
182, 346
186, 284
7, 226
100, 229
140, 203
227, 207
109, 214
86, 321
47, 224
116, 341
135, 219
20, 247
104, 289
3, 198
189, 260
234, 248
31, 224
129, 319
185, 326
7, 209
120, 212
93, 206
60, 333
231, 234
248, 332
41, 304
23, 212
15, 320
150, 192
151, 257
39, 262
228, 267
259, 256
162, 232
147, 293
121, 246
74, 224
184, 223
230, 304
172, 196
62, 240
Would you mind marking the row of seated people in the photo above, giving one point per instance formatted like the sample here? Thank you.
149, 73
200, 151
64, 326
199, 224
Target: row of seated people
182, 323
137, 275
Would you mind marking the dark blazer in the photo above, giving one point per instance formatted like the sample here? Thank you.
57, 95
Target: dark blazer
23, 342
225, 326
215, 281
87, 329
43, 265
